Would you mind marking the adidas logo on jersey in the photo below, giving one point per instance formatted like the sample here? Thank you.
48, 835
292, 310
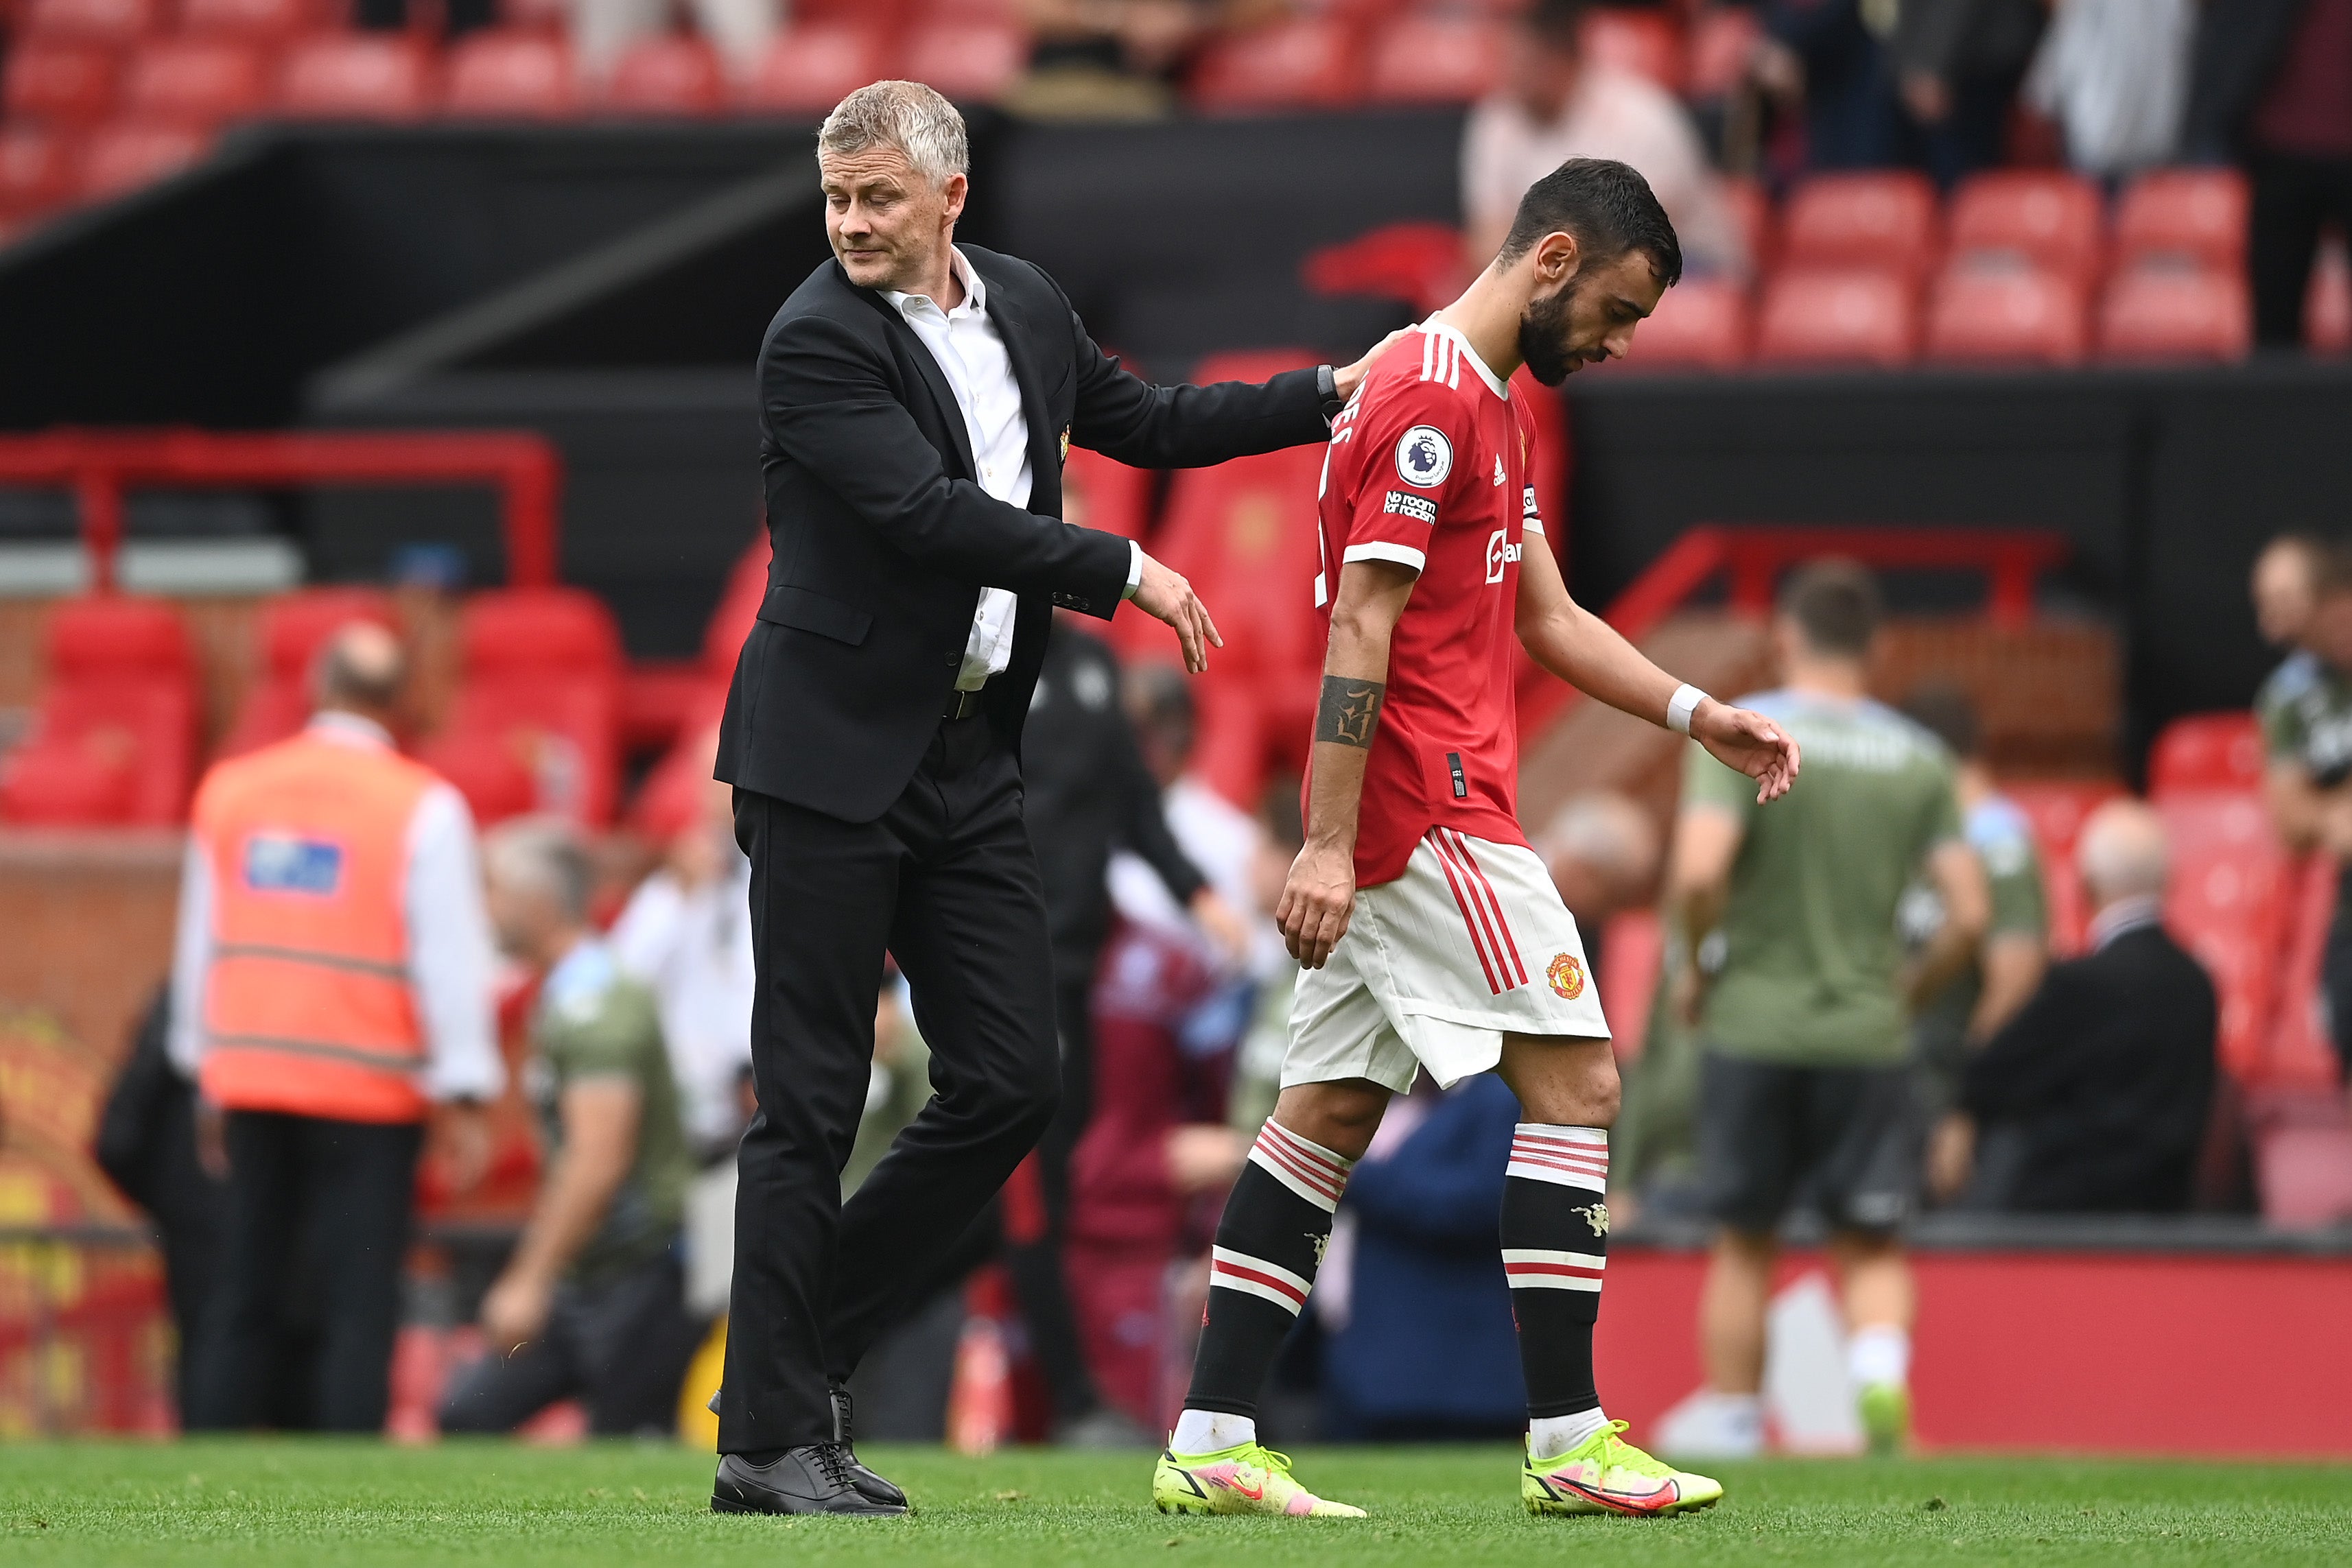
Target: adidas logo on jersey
1499, 468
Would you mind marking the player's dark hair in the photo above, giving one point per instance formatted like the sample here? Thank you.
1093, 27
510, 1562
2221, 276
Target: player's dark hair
1835, 604
1944, 709
1610, 209
1559, 23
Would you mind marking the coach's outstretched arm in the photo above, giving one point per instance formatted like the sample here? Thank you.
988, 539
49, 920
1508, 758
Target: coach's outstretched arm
1587, 653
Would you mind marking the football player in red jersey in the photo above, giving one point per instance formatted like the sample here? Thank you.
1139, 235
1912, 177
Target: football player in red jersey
1431, 938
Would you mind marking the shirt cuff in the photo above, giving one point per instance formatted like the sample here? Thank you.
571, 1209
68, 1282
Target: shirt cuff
1134, 568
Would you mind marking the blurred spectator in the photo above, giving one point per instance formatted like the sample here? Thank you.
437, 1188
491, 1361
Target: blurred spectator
1654, 1146
1820, 54
1804, 1093
1258, 1065
2284, 588
685, 932
2093, 1099
1949, 1026
1957, 65
1602, 851
2273, 91
1415, 1245
1117, 59
591, 1304
1213, 834
330, 988
602, 30
2305, 711
455, 17
1555, 105
2114, 74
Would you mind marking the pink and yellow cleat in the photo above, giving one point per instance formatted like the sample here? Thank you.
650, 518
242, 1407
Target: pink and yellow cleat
1249, 1478
1605, 1474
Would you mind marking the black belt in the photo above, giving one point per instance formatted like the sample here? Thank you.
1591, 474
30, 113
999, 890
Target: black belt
963, 705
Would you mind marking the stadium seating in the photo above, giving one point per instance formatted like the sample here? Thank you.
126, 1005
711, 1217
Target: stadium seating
115, 736
357, 76
1885, 220
35, 170
2299, 1058
1701, 324
2034, 218
1641, 40
2058, 808
670, 74
2229, 904
1421, 58
2327, 305
812, 66
202, 83
1721, 44
2206, 751
508, 74
70, 83
257, 21
1307, 63
2009, 317
536, 721
2160, 313
1751, 210
111, 21
2193, 217
291, 631
971, 62
123, 157
1836, 318
1101, 492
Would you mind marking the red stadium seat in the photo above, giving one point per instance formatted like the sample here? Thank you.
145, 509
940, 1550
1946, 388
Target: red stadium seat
292, 631
1836, 318
2206, 751
122, 156
37, 170
2191, 216
197, 82
59, 84
2038, 217
2328, 304
257, 21
1643, 41
114, 742
812, 66
2229, 904
1885, 220
971, 62
1751, 210
2023, 317
1445, 58
2171, 314
2058, 811
1099, 492
738, 606
991, 11
2305, 1174
1700, 324
1720, 48
541, 701
508, 74
2301, 1056
1307, 63
115, 22
670, 799
668, 75
358, 76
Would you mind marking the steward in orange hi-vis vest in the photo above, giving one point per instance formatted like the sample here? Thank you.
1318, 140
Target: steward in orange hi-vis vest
309, 1008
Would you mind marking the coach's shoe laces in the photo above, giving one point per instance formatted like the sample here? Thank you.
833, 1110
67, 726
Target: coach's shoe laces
1245, 1478
1606, 1474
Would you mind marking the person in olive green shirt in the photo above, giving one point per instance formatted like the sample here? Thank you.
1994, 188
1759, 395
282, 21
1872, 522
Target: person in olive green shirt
591, 1304
1801, 995
2306, 712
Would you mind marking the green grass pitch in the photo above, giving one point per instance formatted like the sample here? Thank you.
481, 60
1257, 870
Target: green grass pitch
265, 1502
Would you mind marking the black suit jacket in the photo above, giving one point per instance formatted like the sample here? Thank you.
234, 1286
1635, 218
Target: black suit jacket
883, 540
2107, 1075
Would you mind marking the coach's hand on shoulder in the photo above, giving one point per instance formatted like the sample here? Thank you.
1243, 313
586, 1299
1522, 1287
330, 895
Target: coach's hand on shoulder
1165, 595
1742, 739
1346, 379
1318, 901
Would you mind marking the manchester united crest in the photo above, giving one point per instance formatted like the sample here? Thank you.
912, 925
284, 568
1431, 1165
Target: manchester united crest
1567, 976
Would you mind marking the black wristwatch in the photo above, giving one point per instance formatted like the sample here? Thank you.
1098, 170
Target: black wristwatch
1326, 387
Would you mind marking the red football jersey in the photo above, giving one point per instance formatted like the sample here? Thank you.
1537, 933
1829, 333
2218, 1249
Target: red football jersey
1428, 467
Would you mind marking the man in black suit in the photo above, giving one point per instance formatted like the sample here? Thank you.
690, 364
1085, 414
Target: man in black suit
2093, 1098
916, 399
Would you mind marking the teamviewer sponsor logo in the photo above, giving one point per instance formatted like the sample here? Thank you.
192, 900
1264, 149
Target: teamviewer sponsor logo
1420, 508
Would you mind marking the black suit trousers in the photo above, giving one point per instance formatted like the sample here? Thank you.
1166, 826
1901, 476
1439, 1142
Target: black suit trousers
945, 880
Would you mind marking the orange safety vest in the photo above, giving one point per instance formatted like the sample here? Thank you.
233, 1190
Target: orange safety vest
307, 1007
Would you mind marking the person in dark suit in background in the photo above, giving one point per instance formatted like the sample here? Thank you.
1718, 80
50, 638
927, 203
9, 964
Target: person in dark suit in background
916, 398
2093, 1098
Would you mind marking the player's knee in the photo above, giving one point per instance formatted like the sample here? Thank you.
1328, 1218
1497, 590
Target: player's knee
1339, 1116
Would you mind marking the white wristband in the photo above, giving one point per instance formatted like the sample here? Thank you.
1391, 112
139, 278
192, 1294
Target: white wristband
1681, 705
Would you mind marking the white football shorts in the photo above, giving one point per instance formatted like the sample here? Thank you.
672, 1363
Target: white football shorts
1472, 943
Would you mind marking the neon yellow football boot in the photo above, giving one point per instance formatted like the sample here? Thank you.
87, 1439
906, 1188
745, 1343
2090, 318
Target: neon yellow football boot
1605, 1474
1247, 1479
1886, 1417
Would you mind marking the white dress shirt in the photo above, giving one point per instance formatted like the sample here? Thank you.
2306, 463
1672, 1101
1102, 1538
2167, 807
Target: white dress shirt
693, 948
450, 955
971, 353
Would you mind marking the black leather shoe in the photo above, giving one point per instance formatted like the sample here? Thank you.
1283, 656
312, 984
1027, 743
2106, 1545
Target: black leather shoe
817, 1479
873, 1486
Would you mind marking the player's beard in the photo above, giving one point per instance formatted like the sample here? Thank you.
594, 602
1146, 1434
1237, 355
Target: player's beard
1543, 337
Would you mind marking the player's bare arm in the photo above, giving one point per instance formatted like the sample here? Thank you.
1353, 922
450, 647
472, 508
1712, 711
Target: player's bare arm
1698, 884
1587, 653
1319, 898
1960, 880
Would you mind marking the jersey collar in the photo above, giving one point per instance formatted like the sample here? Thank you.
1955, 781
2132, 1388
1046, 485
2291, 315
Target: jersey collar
1437, 328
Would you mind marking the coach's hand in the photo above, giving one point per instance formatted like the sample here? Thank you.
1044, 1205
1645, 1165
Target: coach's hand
1318, 901
1738, 737
1165, 595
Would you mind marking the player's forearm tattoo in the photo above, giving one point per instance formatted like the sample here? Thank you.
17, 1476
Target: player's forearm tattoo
1350, 711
